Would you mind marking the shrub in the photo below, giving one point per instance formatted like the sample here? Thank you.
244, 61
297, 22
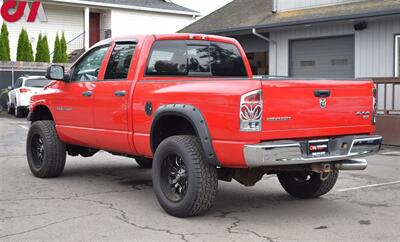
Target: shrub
24, 49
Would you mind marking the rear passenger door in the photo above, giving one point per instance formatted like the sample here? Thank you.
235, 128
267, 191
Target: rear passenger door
111, 100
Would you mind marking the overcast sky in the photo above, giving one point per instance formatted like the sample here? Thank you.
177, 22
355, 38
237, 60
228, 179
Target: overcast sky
203, 6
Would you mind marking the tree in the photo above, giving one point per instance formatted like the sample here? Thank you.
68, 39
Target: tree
38, 49
4, 44
63, 44
57, 53
42, 49
46, 51
24, 49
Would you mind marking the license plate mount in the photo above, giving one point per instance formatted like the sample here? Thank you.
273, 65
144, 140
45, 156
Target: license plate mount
318, 148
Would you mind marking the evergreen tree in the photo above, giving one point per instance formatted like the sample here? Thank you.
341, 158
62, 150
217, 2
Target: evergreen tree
45, 49
4, 44
24, 49
38, 56
57, 53
63, 44
42, 49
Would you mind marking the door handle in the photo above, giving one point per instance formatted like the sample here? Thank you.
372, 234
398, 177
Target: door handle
87, 94
120, 93
322, 93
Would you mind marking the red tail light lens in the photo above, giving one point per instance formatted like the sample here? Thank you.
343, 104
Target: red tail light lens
251, 109
24, 90
374, 106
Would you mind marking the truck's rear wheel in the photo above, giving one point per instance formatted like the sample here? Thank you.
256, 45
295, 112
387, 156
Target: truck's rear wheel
144, 162
184, 183
46, 153
307, 184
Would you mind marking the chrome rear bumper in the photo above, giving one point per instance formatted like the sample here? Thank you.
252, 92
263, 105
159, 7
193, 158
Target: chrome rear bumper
291, 152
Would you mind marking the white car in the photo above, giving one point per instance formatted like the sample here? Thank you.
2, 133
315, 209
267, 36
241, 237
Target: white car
19, 97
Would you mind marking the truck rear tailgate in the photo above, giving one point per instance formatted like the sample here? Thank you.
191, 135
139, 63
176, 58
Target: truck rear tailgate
316, 108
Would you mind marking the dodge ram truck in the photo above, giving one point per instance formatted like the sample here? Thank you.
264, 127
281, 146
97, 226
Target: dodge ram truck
188, 106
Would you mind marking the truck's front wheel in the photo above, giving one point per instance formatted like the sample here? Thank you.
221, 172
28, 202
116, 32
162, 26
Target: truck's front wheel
46, 153
307, 184
184, 183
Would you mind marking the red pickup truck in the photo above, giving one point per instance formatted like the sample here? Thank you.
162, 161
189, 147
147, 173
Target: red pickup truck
188, 106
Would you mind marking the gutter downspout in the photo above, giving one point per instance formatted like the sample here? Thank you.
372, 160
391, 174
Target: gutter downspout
270, 41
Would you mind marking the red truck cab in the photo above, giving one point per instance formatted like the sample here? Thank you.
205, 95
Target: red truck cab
188, 106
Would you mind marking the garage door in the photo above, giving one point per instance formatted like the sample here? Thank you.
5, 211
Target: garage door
322, 58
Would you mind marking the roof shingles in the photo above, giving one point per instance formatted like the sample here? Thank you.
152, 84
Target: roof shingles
154, 4
242, 14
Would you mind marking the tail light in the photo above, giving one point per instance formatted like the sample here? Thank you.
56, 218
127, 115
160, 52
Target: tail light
374, 106
24, 90
251, 108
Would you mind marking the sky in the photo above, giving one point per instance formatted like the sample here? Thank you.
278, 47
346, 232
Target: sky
205, 7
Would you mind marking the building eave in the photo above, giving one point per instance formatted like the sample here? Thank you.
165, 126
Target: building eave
277, 25
122, 6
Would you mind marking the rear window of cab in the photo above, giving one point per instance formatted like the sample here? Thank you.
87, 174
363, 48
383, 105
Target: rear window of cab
195, 58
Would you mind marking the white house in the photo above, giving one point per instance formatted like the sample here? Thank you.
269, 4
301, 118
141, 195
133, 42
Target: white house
85, 22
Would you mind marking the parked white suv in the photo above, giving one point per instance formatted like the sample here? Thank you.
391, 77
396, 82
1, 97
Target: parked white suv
19, 97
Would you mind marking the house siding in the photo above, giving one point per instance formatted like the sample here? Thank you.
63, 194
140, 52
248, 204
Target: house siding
374, 46
374, 54
146, 22
282, 5
60, 18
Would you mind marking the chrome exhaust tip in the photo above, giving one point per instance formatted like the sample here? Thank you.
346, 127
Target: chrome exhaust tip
352, 165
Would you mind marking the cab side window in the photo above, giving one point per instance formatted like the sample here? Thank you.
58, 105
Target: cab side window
120, 61
168, 58
87, 69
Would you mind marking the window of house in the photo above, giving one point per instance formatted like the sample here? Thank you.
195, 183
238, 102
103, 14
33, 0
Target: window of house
397, 55
87, 69
120, 61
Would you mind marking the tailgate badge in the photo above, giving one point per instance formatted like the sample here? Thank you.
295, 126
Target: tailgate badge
322, 102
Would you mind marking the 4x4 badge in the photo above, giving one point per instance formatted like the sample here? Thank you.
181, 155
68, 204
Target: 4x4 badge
322, 102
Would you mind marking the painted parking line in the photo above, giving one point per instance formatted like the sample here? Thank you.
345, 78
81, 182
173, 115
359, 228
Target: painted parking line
391, 153
24, 127
368, 186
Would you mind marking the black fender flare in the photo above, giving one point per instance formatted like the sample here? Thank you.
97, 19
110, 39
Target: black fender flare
196, 118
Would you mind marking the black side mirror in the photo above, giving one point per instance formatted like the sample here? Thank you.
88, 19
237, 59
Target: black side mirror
55, 72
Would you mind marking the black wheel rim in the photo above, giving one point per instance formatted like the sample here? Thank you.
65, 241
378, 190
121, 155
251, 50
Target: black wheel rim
174, 180
37, 150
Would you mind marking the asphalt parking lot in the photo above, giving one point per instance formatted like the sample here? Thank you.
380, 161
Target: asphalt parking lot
110, 198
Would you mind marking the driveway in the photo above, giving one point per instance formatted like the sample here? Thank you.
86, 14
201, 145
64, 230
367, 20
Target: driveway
107, 197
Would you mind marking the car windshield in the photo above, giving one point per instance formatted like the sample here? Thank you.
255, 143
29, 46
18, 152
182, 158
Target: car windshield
37, 83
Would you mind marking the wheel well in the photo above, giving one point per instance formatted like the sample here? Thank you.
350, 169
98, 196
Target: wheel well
41, 113
170, 125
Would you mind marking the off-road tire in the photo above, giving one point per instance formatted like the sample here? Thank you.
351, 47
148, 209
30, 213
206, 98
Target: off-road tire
312, 188
54, 156
18, 112
10, 110
202, 178
145, 163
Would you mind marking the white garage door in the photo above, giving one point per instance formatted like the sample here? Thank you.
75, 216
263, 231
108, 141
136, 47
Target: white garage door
322, 58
